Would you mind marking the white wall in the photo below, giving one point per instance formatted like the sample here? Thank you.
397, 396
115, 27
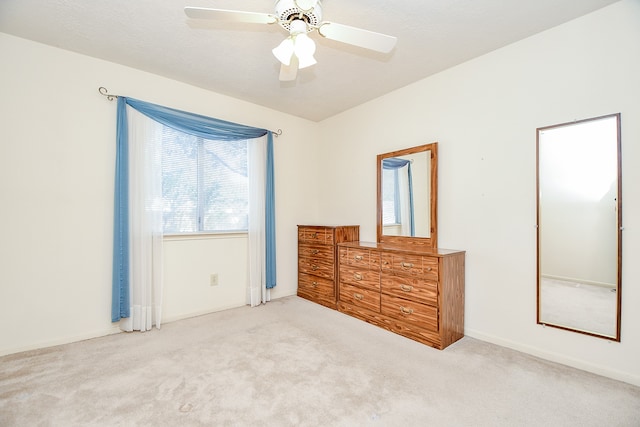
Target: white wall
189, 262
56, 189
484, 114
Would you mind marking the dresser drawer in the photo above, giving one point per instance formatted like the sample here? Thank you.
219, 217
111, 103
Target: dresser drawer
314, 285
413, 265
319, 235
361, 258
360, 297
369, 279
410, 288
422, 315
322, 267
316, 252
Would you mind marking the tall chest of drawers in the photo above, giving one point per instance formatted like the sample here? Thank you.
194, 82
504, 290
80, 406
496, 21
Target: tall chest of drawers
417, 293
317, 260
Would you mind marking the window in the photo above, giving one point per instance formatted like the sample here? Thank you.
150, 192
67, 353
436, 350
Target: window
204, 184
390, 198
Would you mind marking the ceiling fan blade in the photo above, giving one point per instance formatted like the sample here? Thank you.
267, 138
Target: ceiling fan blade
289, 72
358, 37
230, 15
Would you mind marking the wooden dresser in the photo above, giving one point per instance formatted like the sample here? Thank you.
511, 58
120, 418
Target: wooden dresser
417, 293
317, 261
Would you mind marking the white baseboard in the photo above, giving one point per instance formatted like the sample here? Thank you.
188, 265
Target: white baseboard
114, 329
604, 371
580, 281
174, 318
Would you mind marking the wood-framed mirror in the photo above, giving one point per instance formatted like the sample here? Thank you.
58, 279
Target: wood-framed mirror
407, 211
579, 226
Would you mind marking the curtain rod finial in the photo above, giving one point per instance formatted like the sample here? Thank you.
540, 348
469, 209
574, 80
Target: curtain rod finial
104, 92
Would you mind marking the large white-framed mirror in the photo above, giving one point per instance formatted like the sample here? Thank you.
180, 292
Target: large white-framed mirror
407, 196
579, 226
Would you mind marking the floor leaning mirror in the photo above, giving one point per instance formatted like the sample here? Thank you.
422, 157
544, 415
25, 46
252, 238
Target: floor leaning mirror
579, 226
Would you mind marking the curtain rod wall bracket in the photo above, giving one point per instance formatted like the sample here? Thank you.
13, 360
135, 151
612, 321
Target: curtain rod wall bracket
104, 92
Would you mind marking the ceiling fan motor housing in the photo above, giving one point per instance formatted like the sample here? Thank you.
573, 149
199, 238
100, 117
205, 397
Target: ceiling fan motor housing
289, 10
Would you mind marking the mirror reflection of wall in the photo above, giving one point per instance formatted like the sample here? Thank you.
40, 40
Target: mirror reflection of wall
578, 226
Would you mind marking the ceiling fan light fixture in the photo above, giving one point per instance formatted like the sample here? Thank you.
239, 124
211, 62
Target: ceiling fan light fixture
304, 48
284, 51
299, 44
306, 61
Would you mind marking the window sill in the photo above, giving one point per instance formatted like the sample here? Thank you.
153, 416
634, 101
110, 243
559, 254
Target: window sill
206, 236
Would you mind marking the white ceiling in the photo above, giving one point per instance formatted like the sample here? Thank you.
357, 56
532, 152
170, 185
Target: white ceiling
235, 59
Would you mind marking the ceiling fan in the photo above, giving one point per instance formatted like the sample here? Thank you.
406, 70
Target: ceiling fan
299, 18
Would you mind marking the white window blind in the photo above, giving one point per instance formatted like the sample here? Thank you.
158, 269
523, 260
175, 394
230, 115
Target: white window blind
390, 201
204, 184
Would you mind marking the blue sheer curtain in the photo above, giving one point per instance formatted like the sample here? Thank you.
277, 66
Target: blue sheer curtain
194, 124
270, 217
394, 163
120, 305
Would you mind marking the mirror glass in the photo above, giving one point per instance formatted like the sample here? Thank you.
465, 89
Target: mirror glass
407, 190
579, 226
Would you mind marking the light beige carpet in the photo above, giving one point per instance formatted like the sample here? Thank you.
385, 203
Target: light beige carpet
294, 363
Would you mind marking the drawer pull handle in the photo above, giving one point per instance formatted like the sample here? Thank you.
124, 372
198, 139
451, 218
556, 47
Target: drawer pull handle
314, 235
359, 297
406, 288
315, 251
407, 265
406, 310
314, 284
314, 267
357, 276
429, 269
358, 257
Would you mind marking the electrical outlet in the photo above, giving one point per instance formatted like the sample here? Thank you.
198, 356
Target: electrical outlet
213, 279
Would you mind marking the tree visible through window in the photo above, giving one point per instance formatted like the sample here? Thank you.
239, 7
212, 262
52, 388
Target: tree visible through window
204, 184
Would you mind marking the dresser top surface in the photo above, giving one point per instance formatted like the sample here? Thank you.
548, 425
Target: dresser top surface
326, 226
397, 248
